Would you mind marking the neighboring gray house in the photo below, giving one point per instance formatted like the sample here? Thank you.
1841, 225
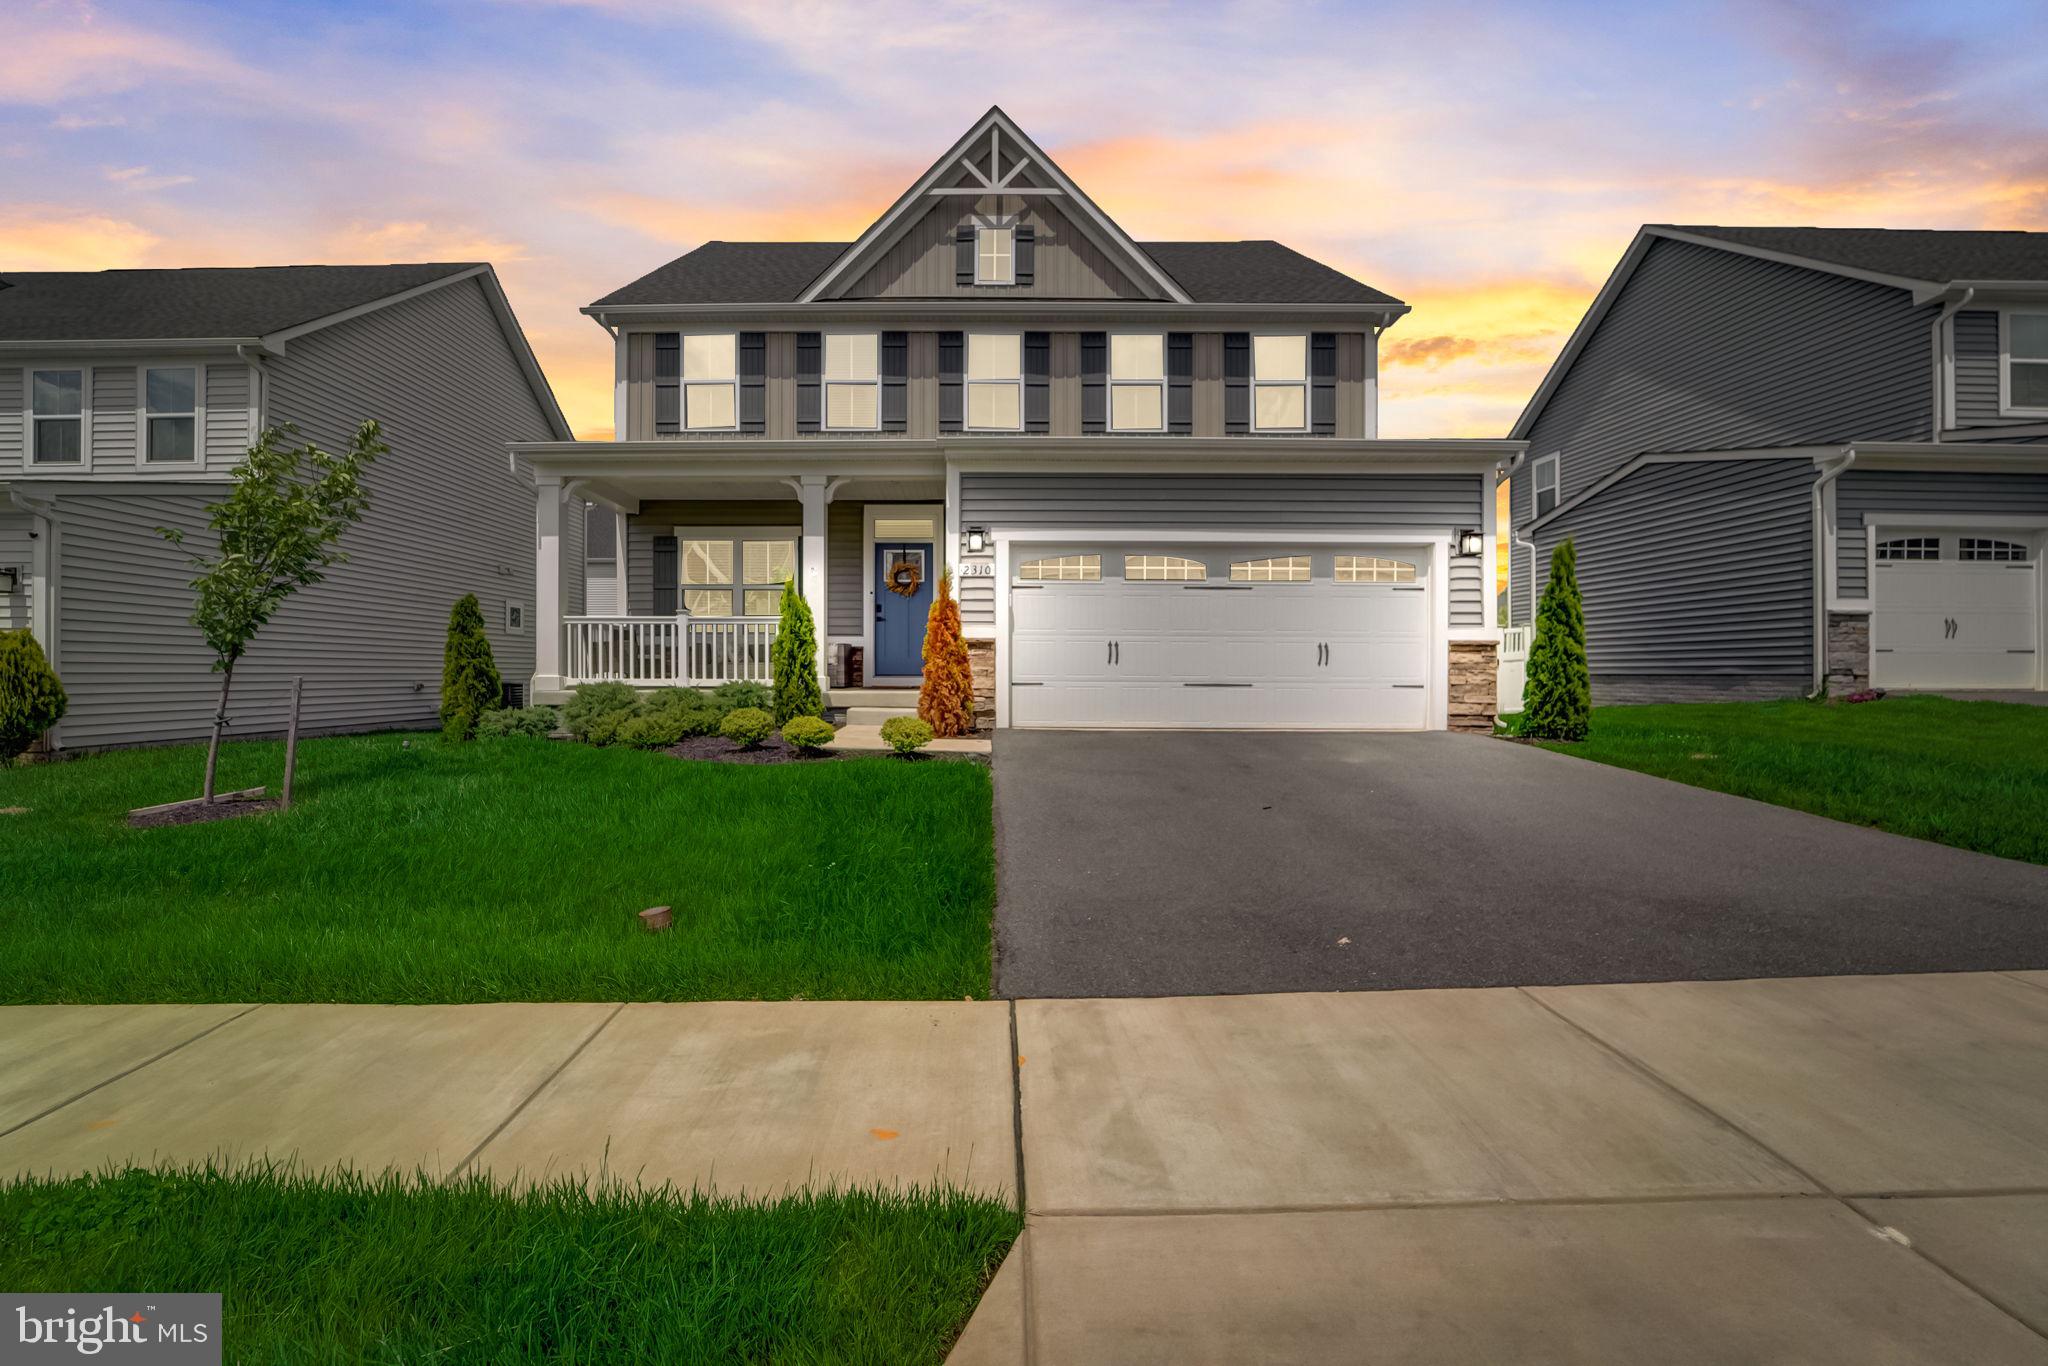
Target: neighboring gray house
1790, 454
128, 396
1152, 468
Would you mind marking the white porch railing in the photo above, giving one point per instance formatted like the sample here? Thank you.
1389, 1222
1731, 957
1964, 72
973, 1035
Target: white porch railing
1514, 641
1514, 668
667, 652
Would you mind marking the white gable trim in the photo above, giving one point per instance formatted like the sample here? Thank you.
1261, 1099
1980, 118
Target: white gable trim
905, 212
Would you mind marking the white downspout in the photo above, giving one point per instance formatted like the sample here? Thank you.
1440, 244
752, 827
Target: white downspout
1515, 539
1948, 311
1820, 571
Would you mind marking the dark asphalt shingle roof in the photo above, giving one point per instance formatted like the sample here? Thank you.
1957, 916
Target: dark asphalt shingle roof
1210, 272
250, 301
1932, 254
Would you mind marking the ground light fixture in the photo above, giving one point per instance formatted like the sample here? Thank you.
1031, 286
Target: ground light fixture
1468, 543
976, 538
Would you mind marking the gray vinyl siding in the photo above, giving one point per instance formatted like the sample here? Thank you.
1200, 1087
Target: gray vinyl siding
113, 434
1434, 503
113, 417
845, 537
1697, 580
17, 551
1913, 493
662, 518
13, 441
1066, 264
1977, 367
228, 437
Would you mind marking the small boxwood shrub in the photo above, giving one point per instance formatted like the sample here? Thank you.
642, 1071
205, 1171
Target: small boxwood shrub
747, 726
653, 729
506, 723
906, 734
31, 698
808, 733
593, 700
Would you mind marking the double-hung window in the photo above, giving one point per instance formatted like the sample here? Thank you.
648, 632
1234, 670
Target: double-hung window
728, 574
2026, 363
1280, 382
170, 397
57, 417
853, 381
1137, 382
995, 381
995, 255
696, 381
1545, 475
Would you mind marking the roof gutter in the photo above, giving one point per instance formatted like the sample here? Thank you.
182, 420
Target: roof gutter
1948, 310
1828, 475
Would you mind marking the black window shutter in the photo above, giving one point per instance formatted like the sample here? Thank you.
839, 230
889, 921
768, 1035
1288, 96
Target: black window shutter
754, 382
1094, 383
667, 572
1038, 382
1322, 383
1180, 383
963, 254
810, 348
895, 381
668, 386
1027, 252
1237, 383
952, 361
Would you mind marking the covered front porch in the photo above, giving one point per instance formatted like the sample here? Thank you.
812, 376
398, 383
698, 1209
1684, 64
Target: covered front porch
703, 543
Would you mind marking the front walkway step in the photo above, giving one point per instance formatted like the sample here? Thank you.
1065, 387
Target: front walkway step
875, 716
871, 697
868, 739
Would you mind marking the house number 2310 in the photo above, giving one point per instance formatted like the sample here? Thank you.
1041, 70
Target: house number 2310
977, 569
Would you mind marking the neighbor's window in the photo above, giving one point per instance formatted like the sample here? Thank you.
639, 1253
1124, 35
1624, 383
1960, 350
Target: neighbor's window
727, 576
995, 381
1373, 569
2026, 349
1137, 382
1546, 484
1062, 569
172, 396
1279, 569
1280, 383
1903, 548
696, 382
57, 415
1978, 549
1164, 569
995, 256
853, 381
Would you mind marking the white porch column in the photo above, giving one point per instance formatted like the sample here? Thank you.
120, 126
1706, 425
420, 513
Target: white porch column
549, 546
813, 491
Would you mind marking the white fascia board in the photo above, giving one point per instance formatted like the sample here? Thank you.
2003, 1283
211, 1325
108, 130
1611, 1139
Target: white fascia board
116, 348
1951, 456
910, 314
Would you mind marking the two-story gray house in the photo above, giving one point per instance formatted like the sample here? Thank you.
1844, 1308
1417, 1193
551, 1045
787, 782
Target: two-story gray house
1791, 457
128, 396
1152, 469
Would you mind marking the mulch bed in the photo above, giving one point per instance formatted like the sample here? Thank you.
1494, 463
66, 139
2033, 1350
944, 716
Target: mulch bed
199, 813
719, 750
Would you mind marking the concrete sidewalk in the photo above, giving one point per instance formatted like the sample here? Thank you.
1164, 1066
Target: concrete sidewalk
1820, 1169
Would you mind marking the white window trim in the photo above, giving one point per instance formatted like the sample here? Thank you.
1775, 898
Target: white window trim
1536, 469
2006, 362
967, 384
142, 415
740, 583
684, 379
825, 381
995, 225
1305, 383
1109, 343
29, 463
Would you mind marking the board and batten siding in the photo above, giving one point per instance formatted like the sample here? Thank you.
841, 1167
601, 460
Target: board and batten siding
17, 552
112, 398
446, 516
1301, 503
1066, 265
1918, 493
1697, 580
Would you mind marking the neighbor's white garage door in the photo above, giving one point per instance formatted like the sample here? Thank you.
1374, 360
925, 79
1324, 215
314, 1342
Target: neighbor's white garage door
1190, 637
1955, 611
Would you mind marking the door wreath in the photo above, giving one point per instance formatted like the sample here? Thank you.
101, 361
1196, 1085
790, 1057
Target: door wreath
906, 576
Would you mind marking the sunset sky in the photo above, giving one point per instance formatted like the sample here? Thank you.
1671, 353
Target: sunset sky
1486, 162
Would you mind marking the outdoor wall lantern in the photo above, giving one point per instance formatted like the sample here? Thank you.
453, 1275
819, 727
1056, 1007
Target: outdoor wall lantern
10, 580
977, 540
1469, 543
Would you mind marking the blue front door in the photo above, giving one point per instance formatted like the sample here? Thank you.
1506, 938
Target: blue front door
900, 618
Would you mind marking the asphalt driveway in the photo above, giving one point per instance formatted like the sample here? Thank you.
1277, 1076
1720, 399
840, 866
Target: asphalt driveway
1158, 864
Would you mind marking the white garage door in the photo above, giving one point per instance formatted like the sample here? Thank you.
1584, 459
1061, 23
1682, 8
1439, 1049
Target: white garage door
1286, 638
1955, 610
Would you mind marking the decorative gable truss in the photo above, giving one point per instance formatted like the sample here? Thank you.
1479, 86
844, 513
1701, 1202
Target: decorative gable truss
980, 218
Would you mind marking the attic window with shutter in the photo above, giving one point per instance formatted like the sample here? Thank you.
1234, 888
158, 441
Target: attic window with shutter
853, 381
995, 256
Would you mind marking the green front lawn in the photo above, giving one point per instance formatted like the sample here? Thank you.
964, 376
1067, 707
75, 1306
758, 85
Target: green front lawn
1971, 774
393, 1270
413, 871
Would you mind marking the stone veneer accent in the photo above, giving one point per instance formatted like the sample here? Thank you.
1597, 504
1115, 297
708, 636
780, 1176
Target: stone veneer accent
1475, 680
981, 661
1848, 652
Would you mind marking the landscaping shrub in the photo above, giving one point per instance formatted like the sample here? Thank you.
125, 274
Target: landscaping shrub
594, 700
470, 685
808, 733
604, 730
666, 699
747, 726
1558, 698
794, 658
732, 696
906, 734
946, 700
653, 729
31, 698
535, 723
